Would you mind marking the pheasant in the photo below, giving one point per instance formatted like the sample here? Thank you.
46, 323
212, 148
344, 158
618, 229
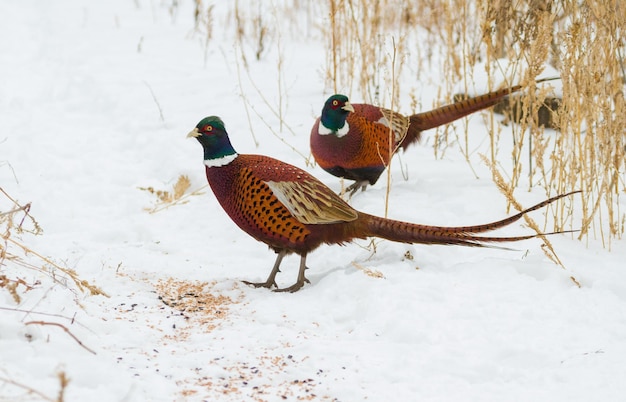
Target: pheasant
293, 212
352, 140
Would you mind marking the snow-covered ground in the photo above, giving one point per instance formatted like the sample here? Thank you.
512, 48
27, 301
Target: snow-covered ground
95, 101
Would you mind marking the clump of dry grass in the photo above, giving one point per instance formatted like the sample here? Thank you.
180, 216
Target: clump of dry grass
15, 254
16, 224
178, 195
368, 271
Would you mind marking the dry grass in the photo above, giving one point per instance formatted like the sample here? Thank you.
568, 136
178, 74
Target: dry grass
16, 254
16, 227
32, 392
582, 41
367, 42
507, 191
178, 195
368, 271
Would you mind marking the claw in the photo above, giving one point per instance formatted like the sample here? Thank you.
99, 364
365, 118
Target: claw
271, 280
266, 284
293, 288
354, 187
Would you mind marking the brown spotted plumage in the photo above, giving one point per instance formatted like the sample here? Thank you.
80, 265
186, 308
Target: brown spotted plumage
293, 212
353, 140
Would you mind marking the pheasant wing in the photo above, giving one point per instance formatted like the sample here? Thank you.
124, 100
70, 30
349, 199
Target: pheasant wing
398, 123
311, 202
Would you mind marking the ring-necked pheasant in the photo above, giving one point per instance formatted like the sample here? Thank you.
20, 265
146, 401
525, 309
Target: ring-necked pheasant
352, 140
293, 212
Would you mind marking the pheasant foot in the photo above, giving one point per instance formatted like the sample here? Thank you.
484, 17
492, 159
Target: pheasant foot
271, 280
301, 278
354, 187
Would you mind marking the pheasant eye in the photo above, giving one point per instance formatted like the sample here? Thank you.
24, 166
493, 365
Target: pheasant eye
208, 128
335, 102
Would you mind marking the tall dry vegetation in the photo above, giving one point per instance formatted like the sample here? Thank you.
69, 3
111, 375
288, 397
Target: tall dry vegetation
584, 42
374, 45
16, 257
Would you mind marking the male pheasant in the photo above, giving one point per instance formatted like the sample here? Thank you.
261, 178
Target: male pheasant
352, 140
293, 212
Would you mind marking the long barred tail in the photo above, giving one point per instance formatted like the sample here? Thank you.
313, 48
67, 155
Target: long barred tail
454, 111
449, 113
455, 235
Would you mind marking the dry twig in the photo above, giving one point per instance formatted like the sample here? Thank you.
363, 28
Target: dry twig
64, 328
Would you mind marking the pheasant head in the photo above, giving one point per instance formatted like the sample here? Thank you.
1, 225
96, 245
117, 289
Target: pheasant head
211, 133
334, 115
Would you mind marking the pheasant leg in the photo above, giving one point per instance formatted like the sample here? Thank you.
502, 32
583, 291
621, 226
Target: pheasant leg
356, 186
301, 278
271, 280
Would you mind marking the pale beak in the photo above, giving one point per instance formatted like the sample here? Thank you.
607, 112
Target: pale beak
348, 107
194, 133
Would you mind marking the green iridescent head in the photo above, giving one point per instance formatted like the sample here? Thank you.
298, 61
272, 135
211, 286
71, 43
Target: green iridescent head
211, 133
335, 112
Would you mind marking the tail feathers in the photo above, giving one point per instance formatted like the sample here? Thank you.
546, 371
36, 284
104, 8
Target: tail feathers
454, 111
449, 113
506, 221
456, 235
482, 241
404, 232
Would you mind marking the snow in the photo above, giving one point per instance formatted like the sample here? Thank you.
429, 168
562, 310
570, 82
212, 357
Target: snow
95, 103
